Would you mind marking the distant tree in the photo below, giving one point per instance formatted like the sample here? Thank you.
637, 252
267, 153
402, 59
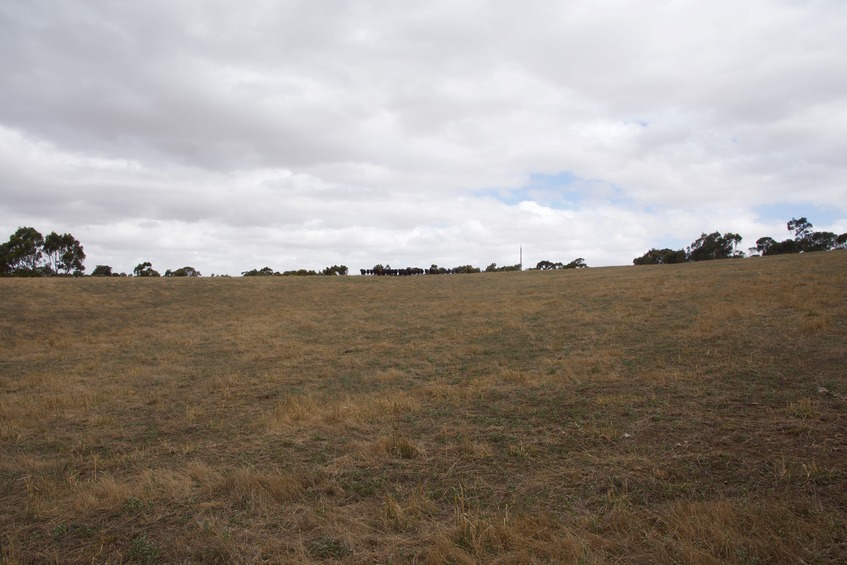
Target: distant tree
102, 271
52, 252
22, 254
672, 256
805, 239
734, 239
183, 272
841, 241
300, 273
465, 269
263, 272
145, 270
714, 246
548, 265
5, 260
64, 254
811, 240
24, 250
783, 247
576, 264
340, 270
802, 228
708, 247
651, 257
820, 241
664, 256
763, 245
493, 268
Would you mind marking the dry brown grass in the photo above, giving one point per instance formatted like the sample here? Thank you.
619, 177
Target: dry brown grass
674, 414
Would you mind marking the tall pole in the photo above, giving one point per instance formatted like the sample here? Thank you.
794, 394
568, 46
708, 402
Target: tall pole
521, 262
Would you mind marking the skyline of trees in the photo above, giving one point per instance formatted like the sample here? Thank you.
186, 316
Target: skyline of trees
578, 263
716, 246
805, 239
28, 253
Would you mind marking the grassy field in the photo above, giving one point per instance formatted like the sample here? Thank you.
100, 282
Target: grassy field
690, 413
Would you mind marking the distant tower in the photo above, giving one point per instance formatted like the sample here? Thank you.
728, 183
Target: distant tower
520, 263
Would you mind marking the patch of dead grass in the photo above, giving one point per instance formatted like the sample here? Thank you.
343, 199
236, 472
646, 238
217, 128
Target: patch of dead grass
663, 415
364, 409
724, 530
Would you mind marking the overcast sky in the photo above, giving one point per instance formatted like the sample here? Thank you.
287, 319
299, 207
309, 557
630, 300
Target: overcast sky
300, 134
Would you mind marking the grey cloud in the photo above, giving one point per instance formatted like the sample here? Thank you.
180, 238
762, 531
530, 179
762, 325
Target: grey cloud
326, 126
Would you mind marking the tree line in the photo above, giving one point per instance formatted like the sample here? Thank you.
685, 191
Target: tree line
334, 270
549, 266
146, 269
387, 270
716, 246
30, 254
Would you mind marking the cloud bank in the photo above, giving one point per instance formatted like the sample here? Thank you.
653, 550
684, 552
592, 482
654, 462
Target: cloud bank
303, 134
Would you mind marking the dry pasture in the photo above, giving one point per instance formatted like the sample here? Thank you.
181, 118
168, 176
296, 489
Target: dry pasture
689, 413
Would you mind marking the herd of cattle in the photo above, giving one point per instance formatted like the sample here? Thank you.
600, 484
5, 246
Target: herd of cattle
409, 271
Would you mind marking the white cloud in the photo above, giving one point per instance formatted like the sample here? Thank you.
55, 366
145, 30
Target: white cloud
307, 133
